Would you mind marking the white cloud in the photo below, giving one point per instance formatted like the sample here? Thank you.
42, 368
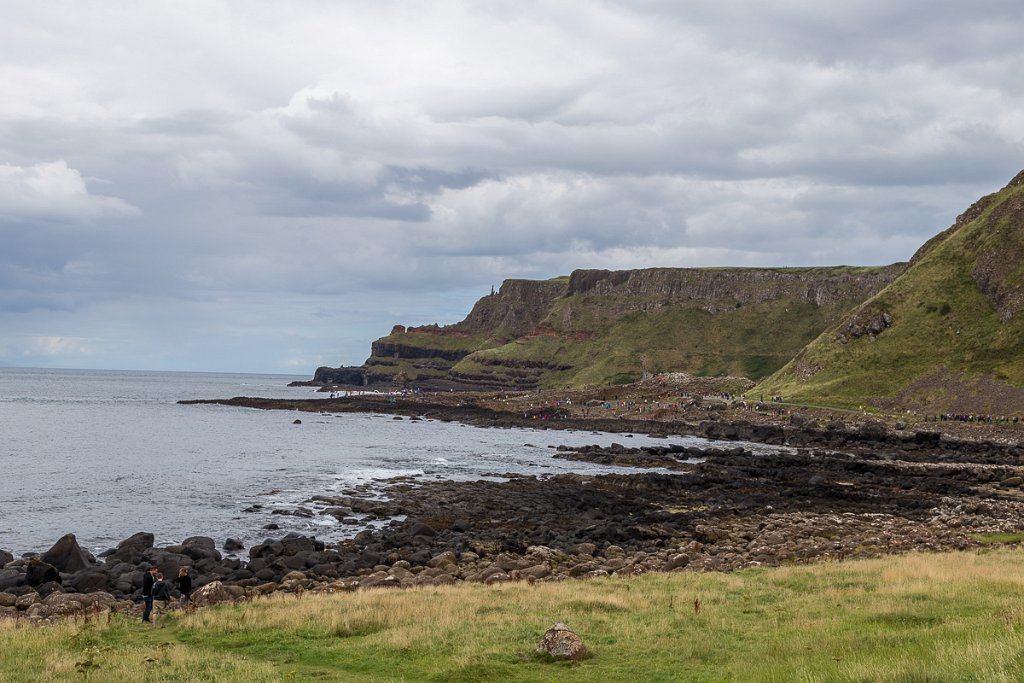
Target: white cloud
63, 347
51, 191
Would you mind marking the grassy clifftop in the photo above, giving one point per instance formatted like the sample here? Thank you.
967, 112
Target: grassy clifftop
599, 327
947, 335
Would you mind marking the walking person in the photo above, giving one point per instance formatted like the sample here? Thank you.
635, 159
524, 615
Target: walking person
184, 582
148, 580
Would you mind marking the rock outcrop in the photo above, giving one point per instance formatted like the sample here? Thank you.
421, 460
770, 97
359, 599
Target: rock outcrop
599, 326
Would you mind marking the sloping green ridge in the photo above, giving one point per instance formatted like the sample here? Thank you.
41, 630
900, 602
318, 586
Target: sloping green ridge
747, 341
601, 327
956, 326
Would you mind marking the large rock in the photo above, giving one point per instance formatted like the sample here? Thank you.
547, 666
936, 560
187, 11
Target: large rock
5, 557
89, 581
132, 548
200, 542
211, 594
293, 544
40, 572
233, 544
65, 604
561, 642
9, 578
67, 556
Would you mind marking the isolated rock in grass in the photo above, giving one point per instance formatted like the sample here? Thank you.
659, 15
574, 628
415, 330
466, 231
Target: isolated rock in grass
561, 642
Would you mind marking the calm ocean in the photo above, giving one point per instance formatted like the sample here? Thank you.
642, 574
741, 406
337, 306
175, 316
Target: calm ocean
106, 454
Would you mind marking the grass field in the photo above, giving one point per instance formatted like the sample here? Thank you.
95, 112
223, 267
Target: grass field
949, 617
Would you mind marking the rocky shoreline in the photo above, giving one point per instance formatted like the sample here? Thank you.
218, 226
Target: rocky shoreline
834, 493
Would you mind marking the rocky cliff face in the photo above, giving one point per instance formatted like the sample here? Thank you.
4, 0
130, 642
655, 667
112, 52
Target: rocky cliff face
517, 307
718, 289
599, 326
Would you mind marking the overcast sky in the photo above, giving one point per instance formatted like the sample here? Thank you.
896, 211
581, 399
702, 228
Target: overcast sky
269, 186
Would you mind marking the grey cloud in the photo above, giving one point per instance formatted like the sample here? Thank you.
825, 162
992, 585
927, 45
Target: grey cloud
188, 123
876, 30
338, 170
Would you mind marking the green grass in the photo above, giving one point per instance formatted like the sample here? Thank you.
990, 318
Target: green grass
614, 334
1000, 537
949, 617
622, 344
942, 324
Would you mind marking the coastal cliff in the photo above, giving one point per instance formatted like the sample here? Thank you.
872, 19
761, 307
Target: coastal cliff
600, 326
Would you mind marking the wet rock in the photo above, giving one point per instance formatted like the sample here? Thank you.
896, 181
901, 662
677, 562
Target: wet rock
231, 545
297, 512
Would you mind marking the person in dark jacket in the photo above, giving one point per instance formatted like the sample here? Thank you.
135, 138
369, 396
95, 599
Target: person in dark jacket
161, 597
185, 587
148, 581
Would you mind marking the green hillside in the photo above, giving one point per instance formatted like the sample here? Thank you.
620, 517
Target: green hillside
746, 341
947, 335
609, 327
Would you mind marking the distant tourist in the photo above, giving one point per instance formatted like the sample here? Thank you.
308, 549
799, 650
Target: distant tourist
148, 580
161, 597
185, 587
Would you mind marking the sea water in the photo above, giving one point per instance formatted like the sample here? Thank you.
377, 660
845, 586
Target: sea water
105, 454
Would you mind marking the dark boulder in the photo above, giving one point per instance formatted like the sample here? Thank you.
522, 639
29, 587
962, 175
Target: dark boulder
5, 557
40, 572
200, 541
89, 581
421, 529
67, 556
231, 545
293, 543
200, 553
266, 550
9, 578
48, 588
132, 548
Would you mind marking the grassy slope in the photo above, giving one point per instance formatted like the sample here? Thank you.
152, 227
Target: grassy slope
750, 341
951, 617
941, 322
425, 368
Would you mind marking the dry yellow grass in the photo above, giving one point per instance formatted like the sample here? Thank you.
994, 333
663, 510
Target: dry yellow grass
951, 617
